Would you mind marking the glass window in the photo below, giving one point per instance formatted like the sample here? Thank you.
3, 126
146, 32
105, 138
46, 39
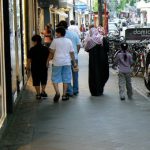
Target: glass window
0, 79
12, 46
1, 101
15, 44
2, 73
19, 38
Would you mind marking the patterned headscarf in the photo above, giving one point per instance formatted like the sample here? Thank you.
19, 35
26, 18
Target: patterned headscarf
101, 30
93, 39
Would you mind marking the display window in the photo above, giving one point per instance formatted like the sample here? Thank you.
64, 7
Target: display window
12, 45
15, 46
2, 72
19, 42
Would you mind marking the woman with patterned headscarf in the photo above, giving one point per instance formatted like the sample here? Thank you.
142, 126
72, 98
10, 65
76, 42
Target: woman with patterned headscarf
97, 47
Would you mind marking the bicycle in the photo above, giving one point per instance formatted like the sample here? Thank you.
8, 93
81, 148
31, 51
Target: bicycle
138, 51
147, 71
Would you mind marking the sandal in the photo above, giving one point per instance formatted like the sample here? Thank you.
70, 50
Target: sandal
38, 97
56, 98
65, 98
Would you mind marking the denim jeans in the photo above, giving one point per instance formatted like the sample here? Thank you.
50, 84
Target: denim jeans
75, 87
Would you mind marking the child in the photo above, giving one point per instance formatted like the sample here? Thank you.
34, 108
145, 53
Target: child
37, 58
124, 62
61, 52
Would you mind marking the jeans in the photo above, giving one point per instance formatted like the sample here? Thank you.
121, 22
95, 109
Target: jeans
125, 81
75, 87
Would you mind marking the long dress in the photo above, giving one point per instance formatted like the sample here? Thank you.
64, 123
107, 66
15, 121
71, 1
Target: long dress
98, 68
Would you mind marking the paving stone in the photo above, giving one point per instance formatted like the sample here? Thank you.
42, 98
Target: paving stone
83, 123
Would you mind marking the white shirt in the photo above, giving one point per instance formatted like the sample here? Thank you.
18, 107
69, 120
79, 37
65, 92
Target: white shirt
62, 47
74, 28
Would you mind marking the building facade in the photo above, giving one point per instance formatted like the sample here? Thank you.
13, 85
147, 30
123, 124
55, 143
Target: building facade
51, 11
18, 23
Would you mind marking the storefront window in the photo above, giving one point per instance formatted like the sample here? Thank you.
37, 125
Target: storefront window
19, 38
0, 82
12, 45
15, 45
2, 73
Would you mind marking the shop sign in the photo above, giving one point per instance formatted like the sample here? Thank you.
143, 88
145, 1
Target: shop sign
137, 34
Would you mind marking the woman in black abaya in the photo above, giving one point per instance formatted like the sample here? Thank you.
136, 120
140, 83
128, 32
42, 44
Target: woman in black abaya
97, 47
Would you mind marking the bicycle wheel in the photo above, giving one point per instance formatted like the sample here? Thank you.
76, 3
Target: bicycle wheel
147, 84
136, 68
147, 72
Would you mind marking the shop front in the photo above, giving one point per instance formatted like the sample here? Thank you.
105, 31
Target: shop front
46, 13
15, 46
22, 24
16, 29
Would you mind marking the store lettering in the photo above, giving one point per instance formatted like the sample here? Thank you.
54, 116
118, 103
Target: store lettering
141, 32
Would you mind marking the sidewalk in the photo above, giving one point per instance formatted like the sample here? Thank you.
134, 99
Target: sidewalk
83, 123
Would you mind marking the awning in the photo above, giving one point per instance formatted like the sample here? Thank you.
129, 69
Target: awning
142, 4
81, 6
59, 12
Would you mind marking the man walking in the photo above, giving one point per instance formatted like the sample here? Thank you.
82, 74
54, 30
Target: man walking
74, 27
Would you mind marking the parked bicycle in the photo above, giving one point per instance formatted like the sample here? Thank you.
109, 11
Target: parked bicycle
147, 70
114, 46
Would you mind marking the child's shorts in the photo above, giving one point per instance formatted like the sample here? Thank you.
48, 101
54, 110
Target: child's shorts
61, 74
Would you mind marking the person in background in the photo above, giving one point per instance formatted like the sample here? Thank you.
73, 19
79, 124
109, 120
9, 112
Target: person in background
124, 62
52, 30
73, 27
47, 33
82, 30
101, 30
61, 52
37, 59
72, 90
97, 47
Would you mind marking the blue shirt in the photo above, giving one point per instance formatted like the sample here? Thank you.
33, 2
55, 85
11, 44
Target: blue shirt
73, 36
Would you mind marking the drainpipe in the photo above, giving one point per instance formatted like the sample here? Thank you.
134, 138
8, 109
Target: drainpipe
100, 13
74, 13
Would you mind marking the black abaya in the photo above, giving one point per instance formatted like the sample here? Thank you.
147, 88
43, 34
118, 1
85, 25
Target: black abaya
98, 68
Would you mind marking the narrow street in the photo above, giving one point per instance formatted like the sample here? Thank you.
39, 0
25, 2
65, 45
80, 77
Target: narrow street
84, 122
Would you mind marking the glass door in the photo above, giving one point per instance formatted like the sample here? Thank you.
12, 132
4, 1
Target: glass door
12, 45
19, 44
15, 45
2, 71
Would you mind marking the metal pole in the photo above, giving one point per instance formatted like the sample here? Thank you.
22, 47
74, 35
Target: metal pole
105, 17
90, 12
74, 13
100, 13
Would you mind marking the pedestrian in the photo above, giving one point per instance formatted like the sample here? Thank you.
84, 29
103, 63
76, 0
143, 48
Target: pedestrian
82, 30
101, 30
61, 52
73, 27
52, 30
37, 59
47, 33
97, 47
72, 89
124, 62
